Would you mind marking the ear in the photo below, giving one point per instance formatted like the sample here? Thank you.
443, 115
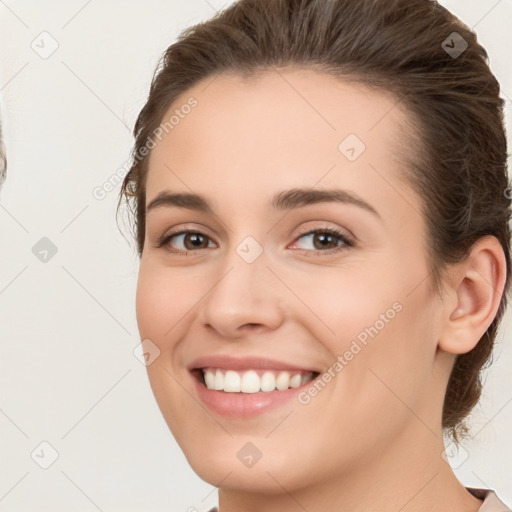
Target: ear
473, 292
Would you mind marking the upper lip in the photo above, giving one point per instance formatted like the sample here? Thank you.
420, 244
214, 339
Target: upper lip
244, 363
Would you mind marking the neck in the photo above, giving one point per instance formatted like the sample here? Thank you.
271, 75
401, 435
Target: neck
409, 475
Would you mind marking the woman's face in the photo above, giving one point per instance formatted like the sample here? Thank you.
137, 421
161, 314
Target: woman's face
257, 294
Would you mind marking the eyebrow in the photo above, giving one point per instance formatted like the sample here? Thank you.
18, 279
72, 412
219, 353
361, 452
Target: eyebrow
287, 199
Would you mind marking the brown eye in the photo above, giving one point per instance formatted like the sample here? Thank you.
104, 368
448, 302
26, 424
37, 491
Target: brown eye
189, 241
196, 240
326, 241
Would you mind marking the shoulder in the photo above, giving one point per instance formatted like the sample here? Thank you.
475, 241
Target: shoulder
491, 501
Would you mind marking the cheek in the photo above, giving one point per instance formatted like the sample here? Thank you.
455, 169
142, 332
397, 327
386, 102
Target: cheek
349, 304
381, 332
160, 305
162, 302
388, 361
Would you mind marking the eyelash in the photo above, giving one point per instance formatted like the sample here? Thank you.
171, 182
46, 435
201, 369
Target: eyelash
347, 242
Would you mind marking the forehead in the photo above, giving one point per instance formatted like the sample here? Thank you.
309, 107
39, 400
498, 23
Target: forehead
280, 129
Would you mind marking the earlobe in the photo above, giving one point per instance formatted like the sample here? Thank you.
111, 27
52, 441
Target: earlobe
476, 287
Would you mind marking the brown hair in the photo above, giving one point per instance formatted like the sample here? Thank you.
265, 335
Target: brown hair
406, 47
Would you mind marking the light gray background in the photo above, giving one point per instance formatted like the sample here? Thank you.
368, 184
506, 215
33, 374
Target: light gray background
68, 375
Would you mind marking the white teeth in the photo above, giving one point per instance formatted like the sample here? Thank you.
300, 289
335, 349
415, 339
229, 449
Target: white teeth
268, 382
250, 381
295, 381
209, 377
306, 378
232, 382
219, 381
283, 381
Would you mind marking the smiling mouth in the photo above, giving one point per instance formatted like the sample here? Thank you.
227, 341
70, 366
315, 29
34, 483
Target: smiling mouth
252, 380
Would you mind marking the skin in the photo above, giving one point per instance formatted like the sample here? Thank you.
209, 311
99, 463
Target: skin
372, 438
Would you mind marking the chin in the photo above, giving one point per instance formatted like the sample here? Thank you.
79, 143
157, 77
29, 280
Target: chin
226, 462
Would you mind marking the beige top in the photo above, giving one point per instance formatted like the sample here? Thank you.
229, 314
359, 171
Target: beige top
491, 502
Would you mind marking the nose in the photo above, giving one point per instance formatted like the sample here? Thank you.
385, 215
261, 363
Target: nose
244, 298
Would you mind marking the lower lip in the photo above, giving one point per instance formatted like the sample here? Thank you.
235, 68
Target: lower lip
245, 405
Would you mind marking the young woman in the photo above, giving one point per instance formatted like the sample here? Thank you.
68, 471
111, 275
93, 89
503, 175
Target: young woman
319, 200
